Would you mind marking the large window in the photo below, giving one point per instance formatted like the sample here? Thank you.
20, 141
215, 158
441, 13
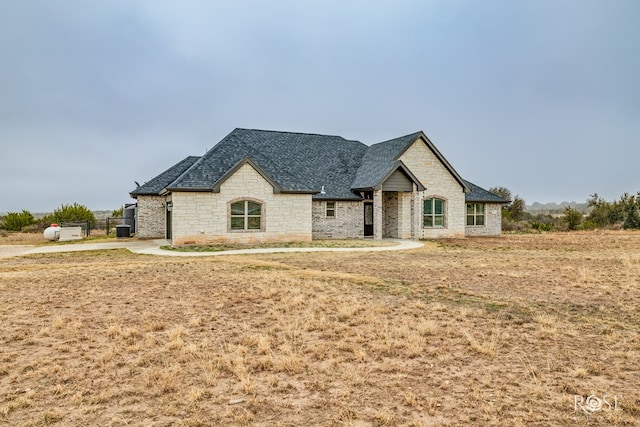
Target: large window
246, 215
433, 213
475, 213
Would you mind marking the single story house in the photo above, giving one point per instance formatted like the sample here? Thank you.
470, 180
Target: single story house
261, 186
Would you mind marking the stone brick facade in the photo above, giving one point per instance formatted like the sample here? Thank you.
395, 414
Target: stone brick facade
390, 214
439, 183
204, 217
150, 213
348, 222
492, 221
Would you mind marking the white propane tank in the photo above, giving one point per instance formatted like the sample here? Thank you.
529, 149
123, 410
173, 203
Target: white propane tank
52, 232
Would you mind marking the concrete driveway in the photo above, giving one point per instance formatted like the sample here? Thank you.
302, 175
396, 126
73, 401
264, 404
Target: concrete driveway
152, 247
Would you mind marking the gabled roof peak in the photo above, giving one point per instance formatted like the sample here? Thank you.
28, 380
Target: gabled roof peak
410, 137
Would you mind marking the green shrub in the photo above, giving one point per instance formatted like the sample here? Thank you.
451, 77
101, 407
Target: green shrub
118, 213
15, 221
70, 213
630, 206
572, 217
542, 226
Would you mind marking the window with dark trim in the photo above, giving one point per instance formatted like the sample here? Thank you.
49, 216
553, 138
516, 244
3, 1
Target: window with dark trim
475, 213
246, 215
330, 209
433, 213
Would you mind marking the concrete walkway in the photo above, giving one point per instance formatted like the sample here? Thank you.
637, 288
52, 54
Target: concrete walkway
152, 247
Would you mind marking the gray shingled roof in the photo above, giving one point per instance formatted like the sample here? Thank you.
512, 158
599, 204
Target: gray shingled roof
379, 159
479, 194
382, 158
294, 162
160, 182
298, 162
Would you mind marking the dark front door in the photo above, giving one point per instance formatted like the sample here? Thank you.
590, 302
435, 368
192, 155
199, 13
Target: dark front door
368, 219
168, 219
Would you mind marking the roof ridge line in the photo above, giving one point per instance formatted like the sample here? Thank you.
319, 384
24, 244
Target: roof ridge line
298, 133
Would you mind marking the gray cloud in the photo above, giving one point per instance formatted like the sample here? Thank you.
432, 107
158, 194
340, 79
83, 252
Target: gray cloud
541, 97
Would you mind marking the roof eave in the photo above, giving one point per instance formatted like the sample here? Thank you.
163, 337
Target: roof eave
486, 201
340, 199
299, 191
135, 194
362, 189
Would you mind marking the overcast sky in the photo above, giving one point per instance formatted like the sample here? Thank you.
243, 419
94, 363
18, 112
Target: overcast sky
542, 97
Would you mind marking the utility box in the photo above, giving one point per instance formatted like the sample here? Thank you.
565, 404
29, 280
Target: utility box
129, 216
123, 231
70, 233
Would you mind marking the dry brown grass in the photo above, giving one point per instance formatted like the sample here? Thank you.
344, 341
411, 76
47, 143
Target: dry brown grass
501, 331
37, 239
22, 239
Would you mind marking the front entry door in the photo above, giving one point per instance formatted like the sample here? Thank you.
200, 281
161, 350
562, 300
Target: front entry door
168, 219
368, 219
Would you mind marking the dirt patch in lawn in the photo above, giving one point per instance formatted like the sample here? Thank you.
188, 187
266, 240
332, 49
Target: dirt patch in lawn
343, 243
484, 331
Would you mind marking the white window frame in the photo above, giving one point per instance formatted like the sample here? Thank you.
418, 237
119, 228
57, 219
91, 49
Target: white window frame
330, 211
433, 215
475, 215
245, 215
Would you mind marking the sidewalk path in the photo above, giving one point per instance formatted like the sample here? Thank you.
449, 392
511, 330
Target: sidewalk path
152, 247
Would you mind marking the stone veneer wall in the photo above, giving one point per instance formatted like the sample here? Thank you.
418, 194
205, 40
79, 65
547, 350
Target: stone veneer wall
439, 183
203, 217
347, 224
492, 220
397, 213
405, 211
151, 217
390, 214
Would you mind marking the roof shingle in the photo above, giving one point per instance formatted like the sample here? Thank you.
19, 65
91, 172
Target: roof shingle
479, 194
379, 159
296, 162
160, 182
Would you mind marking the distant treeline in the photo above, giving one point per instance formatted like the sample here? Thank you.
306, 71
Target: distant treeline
28, 222
595, 213
556, 208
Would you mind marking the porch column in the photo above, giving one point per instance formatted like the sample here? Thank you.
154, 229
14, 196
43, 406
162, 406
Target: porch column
405, 215
377, 215
416, 217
